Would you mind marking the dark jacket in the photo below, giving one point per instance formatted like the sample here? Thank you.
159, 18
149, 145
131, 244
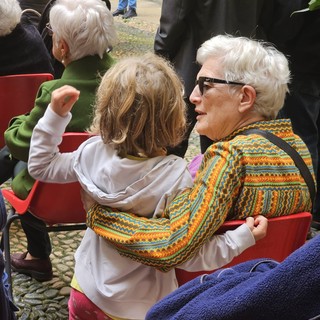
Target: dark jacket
37, 5
298, 36
186, 24
23, 51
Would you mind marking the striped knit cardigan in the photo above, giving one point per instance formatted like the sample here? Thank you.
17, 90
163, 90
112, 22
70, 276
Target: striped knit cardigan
240, 176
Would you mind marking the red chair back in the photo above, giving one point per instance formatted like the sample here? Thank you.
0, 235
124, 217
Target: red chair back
54, 203
17, 96
285, 235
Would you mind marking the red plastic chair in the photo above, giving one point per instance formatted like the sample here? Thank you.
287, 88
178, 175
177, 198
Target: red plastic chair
17, 96
58, 205
285, 235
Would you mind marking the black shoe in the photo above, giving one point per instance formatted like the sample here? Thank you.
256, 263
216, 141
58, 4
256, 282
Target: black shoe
40, 269
119, 12
130, 14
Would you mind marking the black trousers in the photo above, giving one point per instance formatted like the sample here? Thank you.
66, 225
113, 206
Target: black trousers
39, 244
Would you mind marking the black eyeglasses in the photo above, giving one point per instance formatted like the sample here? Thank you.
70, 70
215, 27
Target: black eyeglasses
200, 82
49, 29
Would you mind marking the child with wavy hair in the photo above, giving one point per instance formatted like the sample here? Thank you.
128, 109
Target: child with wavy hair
139, 113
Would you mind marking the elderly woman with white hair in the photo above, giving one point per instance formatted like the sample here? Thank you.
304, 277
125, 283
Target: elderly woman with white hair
83, 31
240, 88
22, 48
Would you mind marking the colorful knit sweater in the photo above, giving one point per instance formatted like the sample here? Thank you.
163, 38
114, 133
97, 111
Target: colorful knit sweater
240, 176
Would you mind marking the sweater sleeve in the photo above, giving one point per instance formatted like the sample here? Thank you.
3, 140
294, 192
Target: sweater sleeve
220, 250
46, 163
18, 134
188, 221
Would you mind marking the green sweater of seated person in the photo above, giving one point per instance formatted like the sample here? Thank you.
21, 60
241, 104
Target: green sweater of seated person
83, 74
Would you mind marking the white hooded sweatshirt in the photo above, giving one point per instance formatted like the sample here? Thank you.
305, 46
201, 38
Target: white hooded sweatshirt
118, 285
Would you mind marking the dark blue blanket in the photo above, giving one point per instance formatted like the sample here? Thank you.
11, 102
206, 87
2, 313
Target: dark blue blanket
257, 289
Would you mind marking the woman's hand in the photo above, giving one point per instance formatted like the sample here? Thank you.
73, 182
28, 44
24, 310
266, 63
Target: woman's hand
63, 99
258, 226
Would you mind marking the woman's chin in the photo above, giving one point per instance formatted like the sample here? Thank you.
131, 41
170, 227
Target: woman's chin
199, 129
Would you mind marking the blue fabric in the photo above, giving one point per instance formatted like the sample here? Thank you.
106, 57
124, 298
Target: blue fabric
3, 212
123, 4
7, 307
257, 289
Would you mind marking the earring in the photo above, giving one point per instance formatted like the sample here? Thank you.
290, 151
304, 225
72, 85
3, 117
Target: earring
62, 56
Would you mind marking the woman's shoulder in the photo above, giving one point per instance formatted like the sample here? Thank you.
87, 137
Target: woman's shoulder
49, 86
229, 145
235, 149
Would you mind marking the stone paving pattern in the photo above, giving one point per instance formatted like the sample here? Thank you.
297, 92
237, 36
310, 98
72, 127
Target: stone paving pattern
49, 300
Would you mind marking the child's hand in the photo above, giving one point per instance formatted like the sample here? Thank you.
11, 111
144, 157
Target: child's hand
63, 99
258, 226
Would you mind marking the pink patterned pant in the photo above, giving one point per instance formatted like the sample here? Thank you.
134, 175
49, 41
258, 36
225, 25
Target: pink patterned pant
81, 308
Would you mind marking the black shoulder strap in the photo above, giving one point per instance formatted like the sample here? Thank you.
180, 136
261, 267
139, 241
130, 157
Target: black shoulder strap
292, 153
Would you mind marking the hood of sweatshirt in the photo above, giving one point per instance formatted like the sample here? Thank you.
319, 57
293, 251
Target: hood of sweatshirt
129, 184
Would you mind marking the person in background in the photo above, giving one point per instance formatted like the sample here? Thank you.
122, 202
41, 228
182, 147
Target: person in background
83, 30
185, 25
47, 36
34, 9
297, 36
241, 85
126, 8
22, 48
139, 112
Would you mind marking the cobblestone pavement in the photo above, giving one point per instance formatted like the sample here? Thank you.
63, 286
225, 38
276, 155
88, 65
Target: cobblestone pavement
49, 300
46, 300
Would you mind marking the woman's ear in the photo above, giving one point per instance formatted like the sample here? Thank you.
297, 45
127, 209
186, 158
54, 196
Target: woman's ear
64, 52
248, 97
64, 48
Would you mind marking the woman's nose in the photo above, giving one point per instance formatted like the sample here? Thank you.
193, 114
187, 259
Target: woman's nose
195, 95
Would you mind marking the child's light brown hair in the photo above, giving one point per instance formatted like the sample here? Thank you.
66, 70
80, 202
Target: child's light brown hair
139, 107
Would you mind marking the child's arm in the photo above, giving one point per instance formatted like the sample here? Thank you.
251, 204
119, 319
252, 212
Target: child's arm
46, 163
221, 249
